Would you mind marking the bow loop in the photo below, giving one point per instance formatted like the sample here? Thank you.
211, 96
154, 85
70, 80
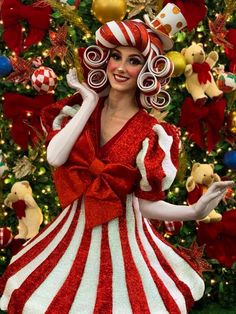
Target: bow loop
13, 12
24, 112
203, 123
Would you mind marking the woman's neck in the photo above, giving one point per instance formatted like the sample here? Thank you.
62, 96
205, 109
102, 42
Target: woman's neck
123, 104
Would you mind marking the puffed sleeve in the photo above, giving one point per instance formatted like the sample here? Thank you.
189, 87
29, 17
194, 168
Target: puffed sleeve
55, 116
157, 161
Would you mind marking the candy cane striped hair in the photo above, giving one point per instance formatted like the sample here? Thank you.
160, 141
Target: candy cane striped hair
154, 75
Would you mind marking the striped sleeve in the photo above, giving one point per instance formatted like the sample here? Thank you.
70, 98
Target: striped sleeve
157, 161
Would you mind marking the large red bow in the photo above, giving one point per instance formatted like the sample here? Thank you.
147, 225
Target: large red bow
103, 184
231, 52
203, 123
187, 7
25, 115
13, 11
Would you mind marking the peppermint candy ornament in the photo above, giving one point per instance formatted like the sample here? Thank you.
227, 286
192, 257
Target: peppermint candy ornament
44, 80
5, 237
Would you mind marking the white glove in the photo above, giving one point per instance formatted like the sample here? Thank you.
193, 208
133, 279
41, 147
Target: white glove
62, 143
165, 211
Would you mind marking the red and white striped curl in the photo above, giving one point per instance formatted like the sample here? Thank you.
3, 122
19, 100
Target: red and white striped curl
96, 57
158, 101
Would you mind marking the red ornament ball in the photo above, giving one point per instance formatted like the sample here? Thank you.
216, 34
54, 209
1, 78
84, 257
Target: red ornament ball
5, 237
44, 80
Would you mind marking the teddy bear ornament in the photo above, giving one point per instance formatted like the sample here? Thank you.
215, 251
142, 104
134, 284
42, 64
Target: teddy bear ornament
201, 178
200, 82
27, 211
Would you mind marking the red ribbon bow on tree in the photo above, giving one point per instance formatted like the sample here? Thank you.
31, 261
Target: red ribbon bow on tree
104, 185
187, 7
25, 115
203, 123
58, 41
231, 51
13, 11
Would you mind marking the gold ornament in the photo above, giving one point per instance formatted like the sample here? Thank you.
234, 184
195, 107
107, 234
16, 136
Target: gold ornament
231, 122
109, 10
179, 62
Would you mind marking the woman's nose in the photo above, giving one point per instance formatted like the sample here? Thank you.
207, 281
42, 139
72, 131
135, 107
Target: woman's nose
121, 66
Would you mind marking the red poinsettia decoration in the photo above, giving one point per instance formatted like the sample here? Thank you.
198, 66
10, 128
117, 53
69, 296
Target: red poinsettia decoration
22, 70
219, 31
194, 254
220, 238
58, 41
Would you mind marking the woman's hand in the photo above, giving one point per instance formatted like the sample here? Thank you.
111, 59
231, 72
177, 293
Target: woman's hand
209, 200
82, 88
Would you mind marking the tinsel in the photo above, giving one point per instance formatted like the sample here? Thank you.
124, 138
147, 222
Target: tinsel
152, 7
68, 14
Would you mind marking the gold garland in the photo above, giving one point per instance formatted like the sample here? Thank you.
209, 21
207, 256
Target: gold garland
230, 6
71, 16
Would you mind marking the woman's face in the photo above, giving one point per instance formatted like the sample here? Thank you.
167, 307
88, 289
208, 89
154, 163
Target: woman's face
123, 68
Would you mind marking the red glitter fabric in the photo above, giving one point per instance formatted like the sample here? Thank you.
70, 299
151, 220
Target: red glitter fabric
121, 265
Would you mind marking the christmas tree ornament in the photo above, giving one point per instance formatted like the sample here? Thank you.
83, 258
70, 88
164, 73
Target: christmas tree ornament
22, 70
229, 159
226, 81
109, 10
44, 80
13, 12
151, 7
58, 40
23, 167
5, 66
218, 31
24, 113
178, 61
73, 3
231, 122
5, 237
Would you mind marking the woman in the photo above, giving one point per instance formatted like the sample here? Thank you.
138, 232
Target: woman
113, 162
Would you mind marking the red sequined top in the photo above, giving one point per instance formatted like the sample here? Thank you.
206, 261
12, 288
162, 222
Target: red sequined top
104, 175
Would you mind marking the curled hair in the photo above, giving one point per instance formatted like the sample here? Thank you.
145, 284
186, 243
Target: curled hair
154, 75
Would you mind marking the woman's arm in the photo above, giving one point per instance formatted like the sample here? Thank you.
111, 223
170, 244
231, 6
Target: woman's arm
62, 143
165, 211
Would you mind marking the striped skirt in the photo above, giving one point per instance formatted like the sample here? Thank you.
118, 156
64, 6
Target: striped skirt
121, 267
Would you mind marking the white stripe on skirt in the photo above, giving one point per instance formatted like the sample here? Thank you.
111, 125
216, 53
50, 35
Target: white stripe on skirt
181, 268
85, 298
152, 295
16, 280
120, 297
164, 277
43, 234
52, 284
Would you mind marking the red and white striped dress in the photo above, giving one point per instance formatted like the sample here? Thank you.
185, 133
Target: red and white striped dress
123, 265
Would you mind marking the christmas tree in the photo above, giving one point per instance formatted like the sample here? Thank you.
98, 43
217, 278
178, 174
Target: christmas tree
43, 43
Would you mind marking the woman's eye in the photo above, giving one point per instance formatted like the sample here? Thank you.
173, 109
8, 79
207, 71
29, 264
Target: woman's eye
135, 61
115, 56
